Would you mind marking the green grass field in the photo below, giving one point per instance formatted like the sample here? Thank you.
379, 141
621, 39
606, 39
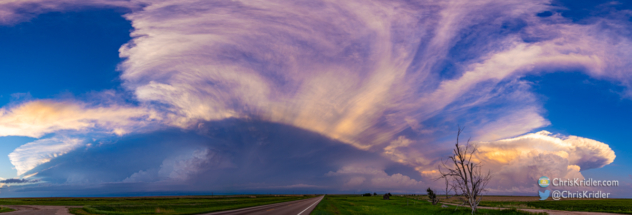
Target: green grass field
3, 209
153, 205
340, 204
601, 205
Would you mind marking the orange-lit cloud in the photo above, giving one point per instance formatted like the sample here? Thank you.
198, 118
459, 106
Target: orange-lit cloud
357, 176
518, 162
40, 117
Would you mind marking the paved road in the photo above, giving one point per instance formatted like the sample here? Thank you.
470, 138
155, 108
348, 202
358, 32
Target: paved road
298, 207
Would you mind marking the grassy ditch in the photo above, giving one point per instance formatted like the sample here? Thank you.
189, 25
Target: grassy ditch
341, 204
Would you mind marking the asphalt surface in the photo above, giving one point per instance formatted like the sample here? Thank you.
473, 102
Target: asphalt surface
298, 207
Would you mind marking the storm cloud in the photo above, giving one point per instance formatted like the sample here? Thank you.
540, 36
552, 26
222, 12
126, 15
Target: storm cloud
386, 81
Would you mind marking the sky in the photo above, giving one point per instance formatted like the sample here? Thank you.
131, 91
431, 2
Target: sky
166, 97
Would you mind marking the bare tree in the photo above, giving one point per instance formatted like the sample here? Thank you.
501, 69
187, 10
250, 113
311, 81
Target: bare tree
446, 178
464, 176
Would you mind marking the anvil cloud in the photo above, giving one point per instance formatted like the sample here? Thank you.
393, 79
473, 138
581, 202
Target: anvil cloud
391, 78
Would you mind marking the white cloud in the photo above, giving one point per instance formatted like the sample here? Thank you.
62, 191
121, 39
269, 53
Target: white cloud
143, 176
181, 168
30, 155
13, 11
356, 71
391, 150
338, 68
355, 177
349, 70
39, 117
518, 162
323, 75
354, 182
516, 122
583, 152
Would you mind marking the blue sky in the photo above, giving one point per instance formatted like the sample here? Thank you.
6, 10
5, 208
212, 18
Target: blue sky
58, 54
62, 52
580, 95
105, 98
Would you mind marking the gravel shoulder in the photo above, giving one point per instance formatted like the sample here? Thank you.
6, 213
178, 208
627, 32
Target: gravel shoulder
550, 212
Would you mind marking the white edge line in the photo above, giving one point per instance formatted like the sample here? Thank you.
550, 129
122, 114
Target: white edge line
250, 208
309, 206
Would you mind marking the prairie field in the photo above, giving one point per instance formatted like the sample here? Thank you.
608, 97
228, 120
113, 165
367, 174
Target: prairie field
588, 205
5, 209
354, 204
155, 205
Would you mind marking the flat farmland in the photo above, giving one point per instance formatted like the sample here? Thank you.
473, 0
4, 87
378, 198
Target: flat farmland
623, 206
354, 204
155, 205
493, 199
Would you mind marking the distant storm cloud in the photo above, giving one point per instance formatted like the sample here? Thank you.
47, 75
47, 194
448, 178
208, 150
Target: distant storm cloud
519, 161
392, 77
17, 181
182, 168
223, 156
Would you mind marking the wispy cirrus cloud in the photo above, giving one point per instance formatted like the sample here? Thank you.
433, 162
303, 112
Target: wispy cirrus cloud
363, 73
13, 11
33, 154
357, 79
363, 78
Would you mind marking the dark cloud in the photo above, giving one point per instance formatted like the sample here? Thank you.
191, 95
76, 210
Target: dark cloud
18, 181
227, 156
